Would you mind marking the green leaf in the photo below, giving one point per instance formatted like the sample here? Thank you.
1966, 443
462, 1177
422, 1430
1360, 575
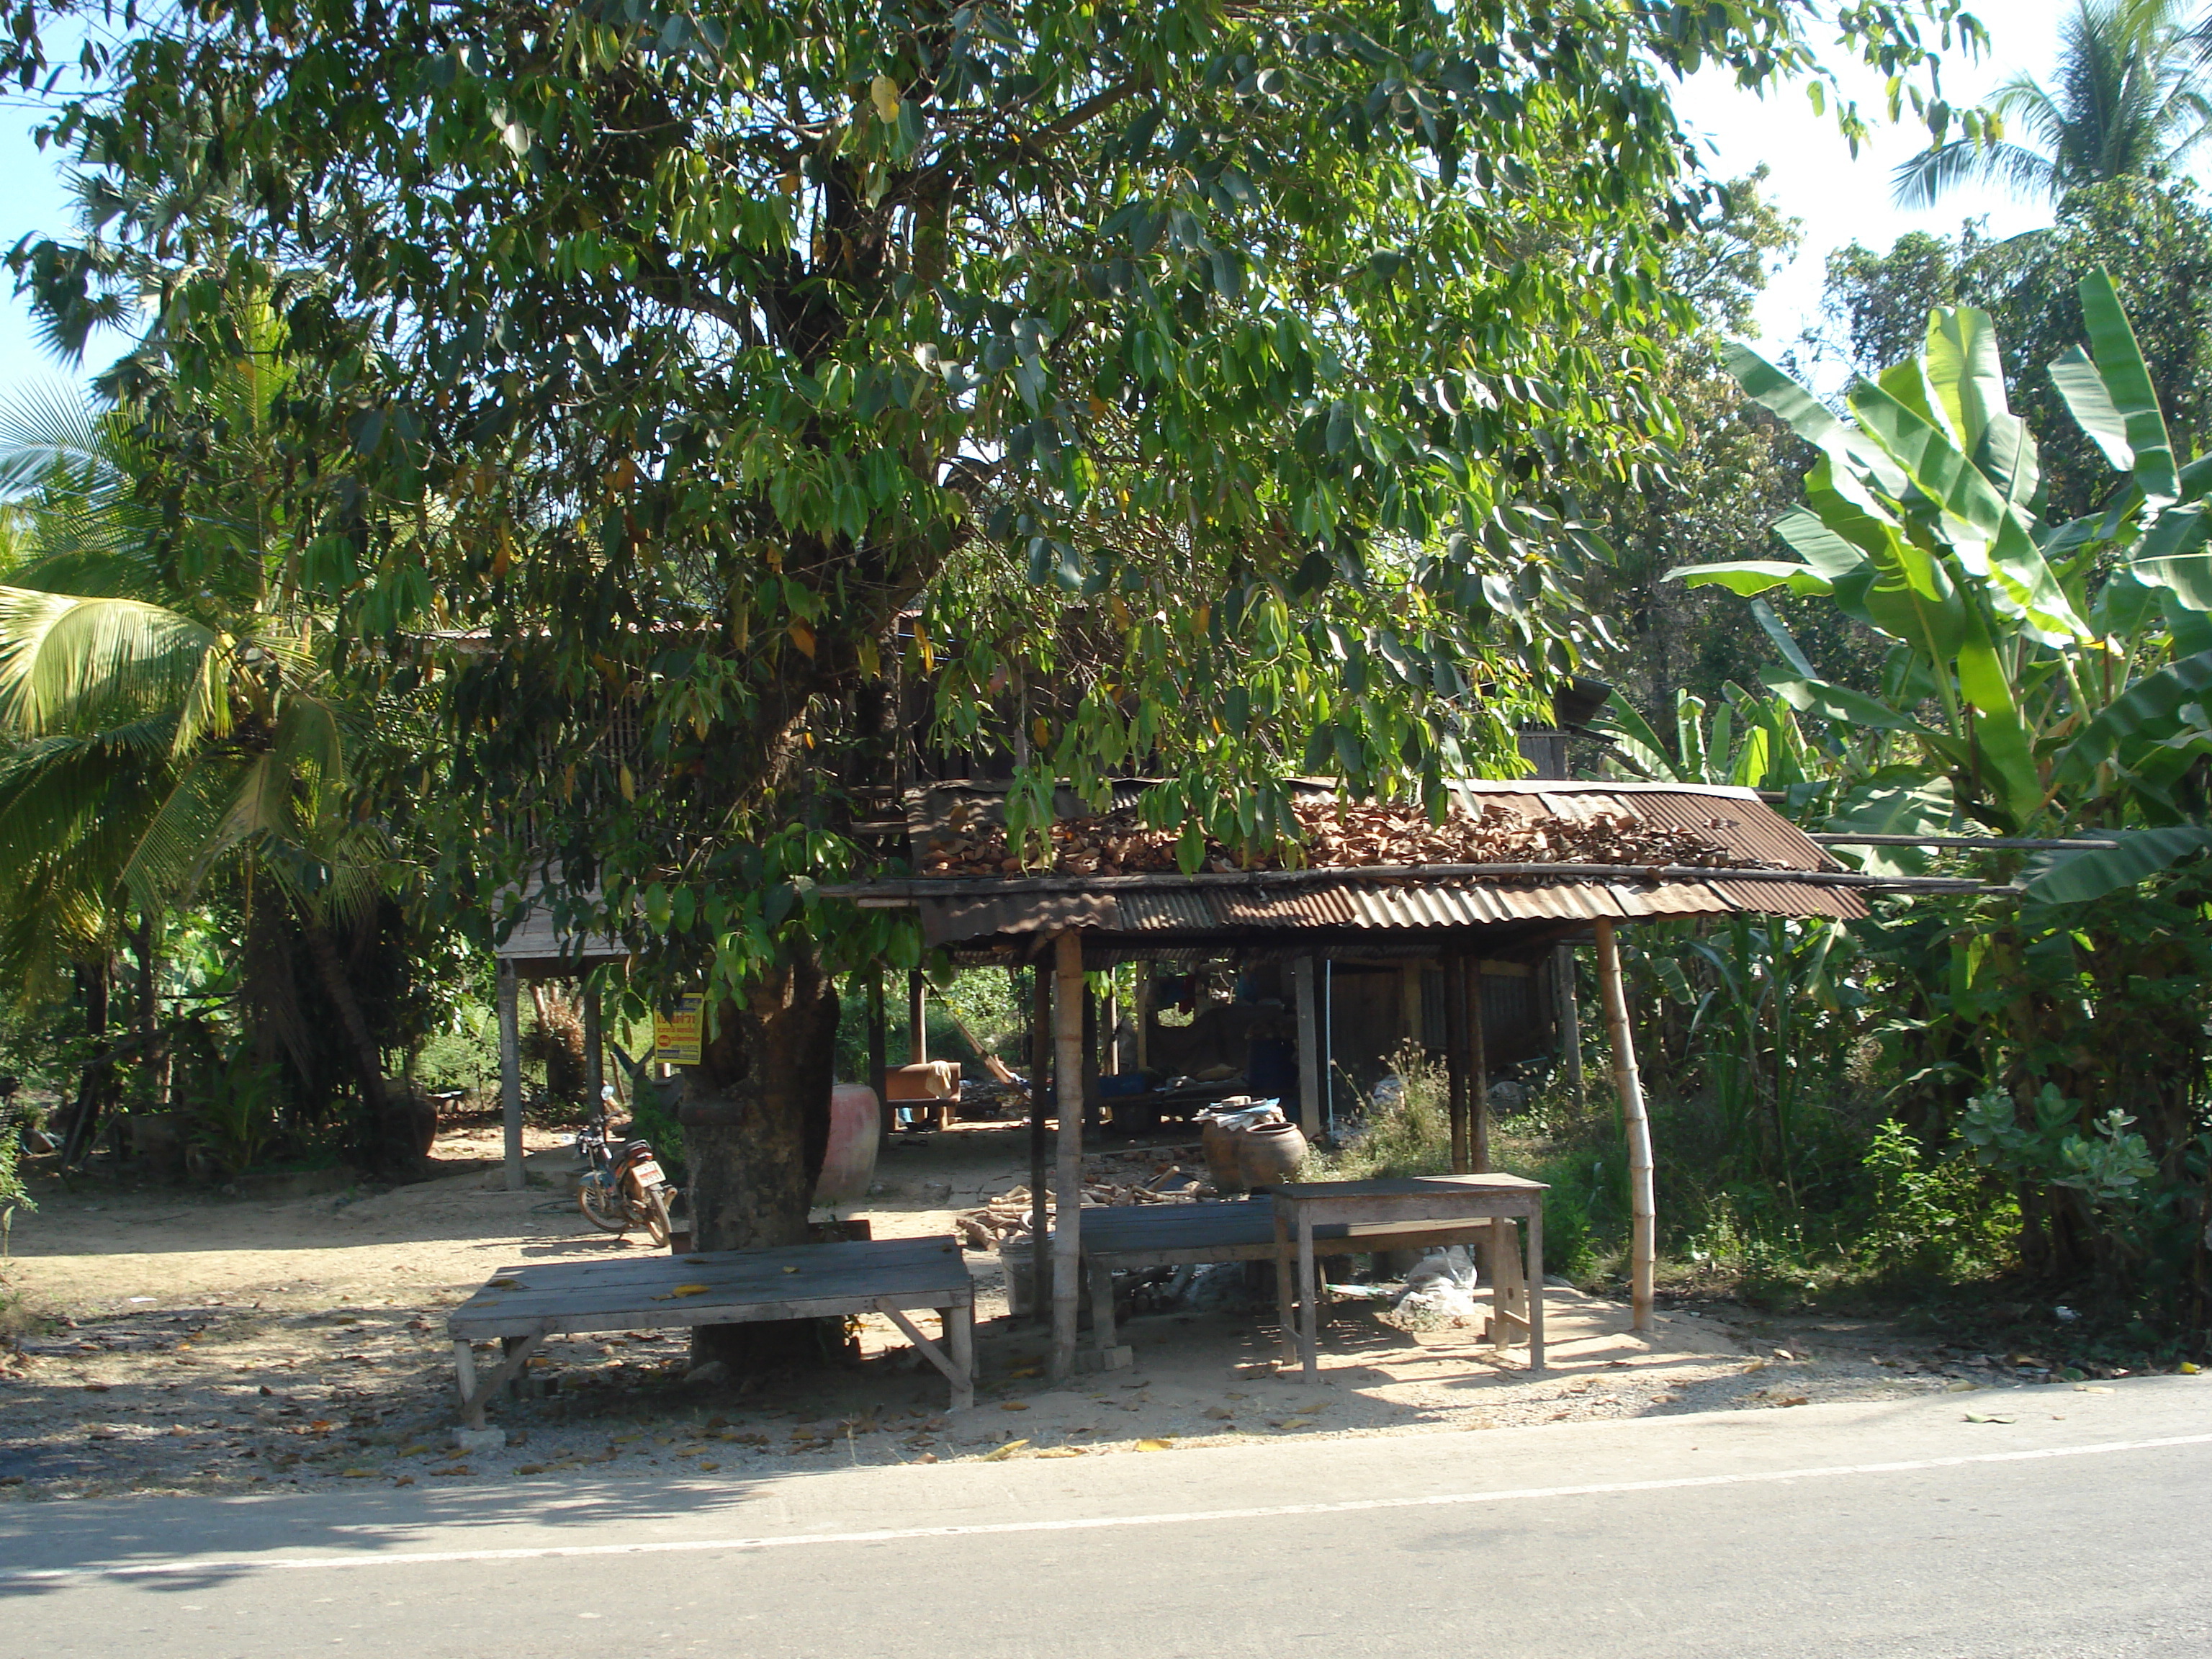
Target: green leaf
2172, 555
1750, 576
2144, 714
1836, 702
2119, 410
1638, 744
2077, 878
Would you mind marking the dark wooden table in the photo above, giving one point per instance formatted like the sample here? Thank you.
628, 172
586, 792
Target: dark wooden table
1303, 1208
1125, 1238
522, 1306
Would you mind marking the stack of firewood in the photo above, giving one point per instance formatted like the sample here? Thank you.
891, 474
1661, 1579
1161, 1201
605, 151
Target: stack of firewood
1006, 1218
1348, 837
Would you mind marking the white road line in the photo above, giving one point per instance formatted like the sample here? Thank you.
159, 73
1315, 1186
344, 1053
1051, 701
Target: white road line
1082, 1523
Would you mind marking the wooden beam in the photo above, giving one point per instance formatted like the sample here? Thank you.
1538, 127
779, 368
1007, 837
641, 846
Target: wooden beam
510, 1074
1040, 1152
1067, 1184
879, 1055
1309, 1057
1643, 1224
1478, 1104
595, 1061
1455, 1060
1570, 1018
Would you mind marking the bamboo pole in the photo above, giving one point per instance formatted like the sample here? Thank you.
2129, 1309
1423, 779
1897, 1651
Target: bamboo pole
1067, 1184
917, 1018
1642, 1228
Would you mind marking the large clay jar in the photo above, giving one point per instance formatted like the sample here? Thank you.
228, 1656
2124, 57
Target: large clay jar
855, 1130
1267, 1153
1219, 1142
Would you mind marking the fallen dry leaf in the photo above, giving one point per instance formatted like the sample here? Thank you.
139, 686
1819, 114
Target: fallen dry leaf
1013, 1405
1156, 1445
1061, 1451
1988, 1417
999, 1453
1295, 1422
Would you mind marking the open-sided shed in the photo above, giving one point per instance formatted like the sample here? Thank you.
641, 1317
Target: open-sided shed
1731, 853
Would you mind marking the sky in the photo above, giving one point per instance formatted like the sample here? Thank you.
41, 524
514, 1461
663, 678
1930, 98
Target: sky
1813, 179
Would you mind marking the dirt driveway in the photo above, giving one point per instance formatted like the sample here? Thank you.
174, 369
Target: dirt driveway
182, 1342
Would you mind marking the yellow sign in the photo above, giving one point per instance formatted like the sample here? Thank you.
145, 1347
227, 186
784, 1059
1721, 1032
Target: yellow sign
676, 1036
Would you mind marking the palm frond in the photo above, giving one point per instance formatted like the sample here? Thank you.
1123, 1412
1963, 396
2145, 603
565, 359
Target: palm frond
1935, 174
74, 664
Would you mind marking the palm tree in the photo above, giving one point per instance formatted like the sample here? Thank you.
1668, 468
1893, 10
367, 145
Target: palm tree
152, 727
2129, 100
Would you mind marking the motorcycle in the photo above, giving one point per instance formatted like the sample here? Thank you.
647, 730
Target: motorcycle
622, 1186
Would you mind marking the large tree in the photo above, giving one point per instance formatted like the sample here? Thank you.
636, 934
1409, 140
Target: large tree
1215, 378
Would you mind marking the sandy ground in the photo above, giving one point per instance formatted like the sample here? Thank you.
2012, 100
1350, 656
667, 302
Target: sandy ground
183, 1342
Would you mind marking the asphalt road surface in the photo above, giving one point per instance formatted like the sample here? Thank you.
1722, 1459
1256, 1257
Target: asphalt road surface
2082, 1526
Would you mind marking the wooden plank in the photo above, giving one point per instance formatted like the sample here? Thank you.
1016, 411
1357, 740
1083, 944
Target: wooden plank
1067, 1177
1406, 1185
583, 1320
510, 1075
1310, 1059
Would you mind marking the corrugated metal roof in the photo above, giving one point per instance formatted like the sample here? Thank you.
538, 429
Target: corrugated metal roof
1160, 906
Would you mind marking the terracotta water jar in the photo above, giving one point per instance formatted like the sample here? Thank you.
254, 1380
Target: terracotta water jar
1270, 1152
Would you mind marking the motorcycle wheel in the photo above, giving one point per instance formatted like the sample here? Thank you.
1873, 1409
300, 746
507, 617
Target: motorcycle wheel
656, 1216
602, 1207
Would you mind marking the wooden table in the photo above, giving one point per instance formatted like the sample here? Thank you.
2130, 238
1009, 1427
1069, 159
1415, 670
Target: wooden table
522, 1306
1303, 1208
1124, 1238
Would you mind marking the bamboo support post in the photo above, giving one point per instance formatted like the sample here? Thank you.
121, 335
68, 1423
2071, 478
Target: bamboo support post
510, 1074
1067, 1185
917, 1021
1642, 1234
1310, 1063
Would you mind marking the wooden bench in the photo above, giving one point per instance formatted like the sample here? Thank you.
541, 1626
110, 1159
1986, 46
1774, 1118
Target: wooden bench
1122, 1237
522, 1306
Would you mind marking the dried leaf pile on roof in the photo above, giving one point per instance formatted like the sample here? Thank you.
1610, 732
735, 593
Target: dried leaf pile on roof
1120, 843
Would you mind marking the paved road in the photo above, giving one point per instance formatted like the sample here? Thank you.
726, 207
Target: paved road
2079, 1529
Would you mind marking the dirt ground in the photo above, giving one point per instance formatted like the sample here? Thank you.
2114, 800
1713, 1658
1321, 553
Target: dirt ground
182, 1341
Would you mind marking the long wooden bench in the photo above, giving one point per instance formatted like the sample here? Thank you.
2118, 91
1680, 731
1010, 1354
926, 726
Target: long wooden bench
521, 1306
1122, 1237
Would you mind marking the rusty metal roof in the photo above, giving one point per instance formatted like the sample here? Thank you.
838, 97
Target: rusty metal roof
1169, 910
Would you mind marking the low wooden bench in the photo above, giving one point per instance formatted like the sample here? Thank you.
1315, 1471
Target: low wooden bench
522, 1306
1122, 1237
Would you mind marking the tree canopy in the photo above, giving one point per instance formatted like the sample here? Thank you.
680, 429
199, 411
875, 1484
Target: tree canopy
1209, 386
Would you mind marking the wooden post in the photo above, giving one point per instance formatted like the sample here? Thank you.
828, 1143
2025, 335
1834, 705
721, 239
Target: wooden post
1570, 1019
1455, 1060
595, 1062
1309, 1056
1040, 1161
1478, 1147
917, 1021
1642, 1227
878, 1055
1109, 1029
1409, 1005
1143, 1015
1067, 1185
510, 1072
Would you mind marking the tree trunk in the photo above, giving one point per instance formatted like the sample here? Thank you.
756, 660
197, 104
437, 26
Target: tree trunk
369, 1063
756, 1116
93, 1087
153, 1054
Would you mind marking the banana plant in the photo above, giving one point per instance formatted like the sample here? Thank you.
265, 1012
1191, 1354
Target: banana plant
2048, 677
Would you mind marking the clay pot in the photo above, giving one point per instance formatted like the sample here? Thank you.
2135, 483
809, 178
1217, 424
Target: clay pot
1268, 1154
1220, 1144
